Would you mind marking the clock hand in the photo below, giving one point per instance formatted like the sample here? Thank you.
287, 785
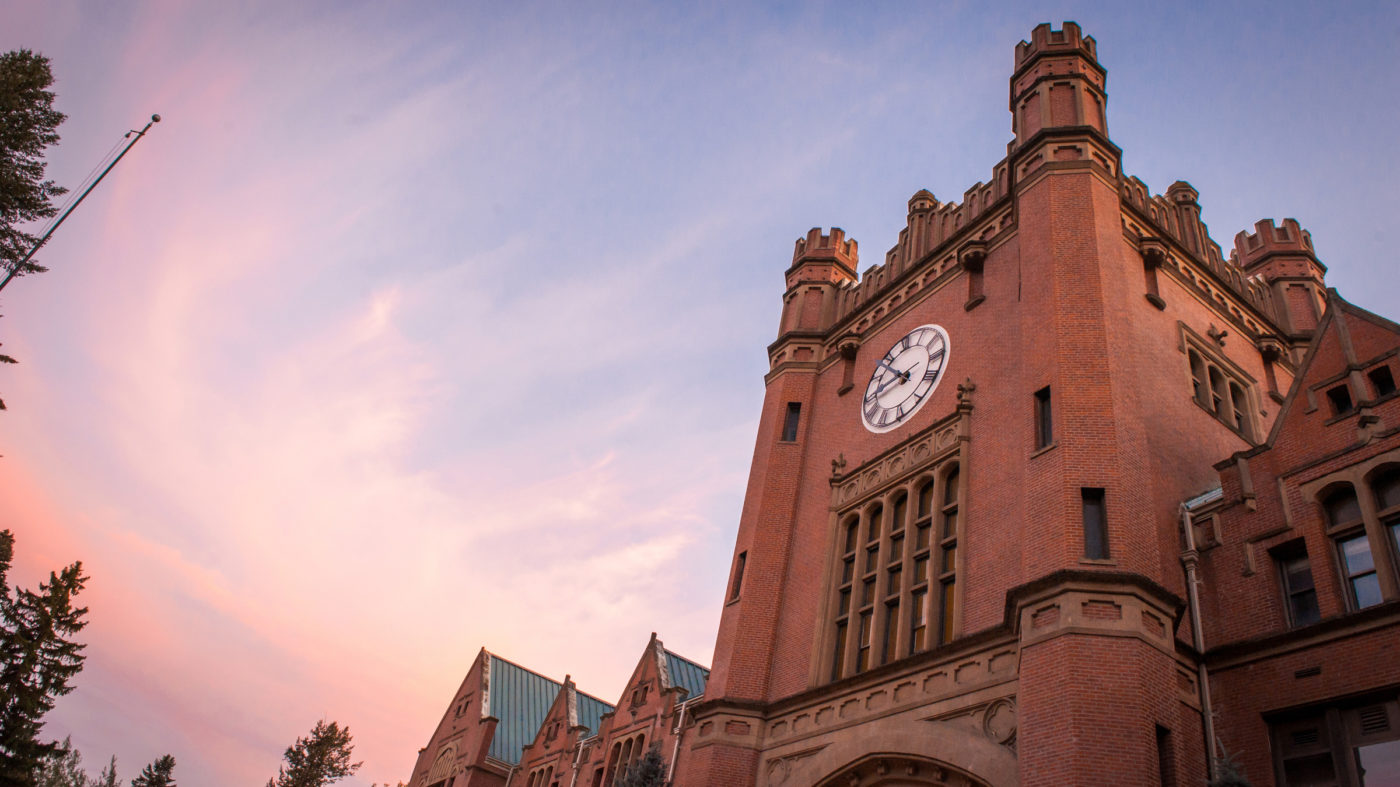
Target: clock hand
904, 375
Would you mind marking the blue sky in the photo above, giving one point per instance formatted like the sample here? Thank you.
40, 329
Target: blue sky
417, 328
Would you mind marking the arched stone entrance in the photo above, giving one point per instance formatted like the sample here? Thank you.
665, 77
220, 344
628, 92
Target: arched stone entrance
893, 752
900, 770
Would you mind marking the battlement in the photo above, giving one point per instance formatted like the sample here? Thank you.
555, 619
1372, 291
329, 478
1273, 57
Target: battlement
817, 247
1268, 240
1046, 40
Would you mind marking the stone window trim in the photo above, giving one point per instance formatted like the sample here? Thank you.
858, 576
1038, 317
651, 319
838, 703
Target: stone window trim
623, 753
1363, 386
1296, 584
1219, 386
888, 585
1376, 522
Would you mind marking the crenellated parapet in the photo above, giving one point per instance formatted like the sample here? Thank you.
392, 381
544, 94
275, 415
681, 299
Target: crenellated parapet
1192, 255
932, 234
1282, 258
1047, 40
1253, 250
825, 249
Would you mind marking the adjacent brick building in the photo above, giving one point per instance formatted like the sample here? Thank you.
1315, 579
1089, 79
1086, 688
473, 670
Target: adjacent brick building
1060, 493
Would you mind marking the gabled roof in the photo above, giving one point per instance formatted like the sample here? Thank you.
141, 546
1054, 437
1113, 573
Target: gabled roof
686, 674
590, 711
520, 699
1333, 321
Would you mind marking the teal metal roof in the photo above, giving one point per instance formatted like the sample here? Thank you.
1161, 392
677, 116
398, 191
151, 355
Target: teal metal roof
590, 711
520, 699
687, 674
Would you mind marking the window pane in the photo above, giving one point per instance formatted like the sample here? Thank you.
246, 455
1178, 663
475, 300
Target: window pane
950, 524
1368, 590
1395, 534
872, 559
950, 559
839, 660
1303, 606
896, 549
900, 506
917, 620
896, 575
921, 570
867, 592
945, 633
925, 499
874, 531
1388, 490
848, 570
891, 630
1297, 575
844, 605
1356, 553
851, 535
1342, 508
950, 488
921, 538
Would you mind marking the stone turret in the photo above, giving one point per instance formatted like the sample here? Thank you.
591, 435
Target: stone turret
1058, 83
1283, 258
821, 264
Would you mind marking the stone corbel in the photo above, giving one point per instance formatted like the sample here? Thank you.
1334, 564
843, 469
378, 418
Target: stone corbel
971, 257
1154, 255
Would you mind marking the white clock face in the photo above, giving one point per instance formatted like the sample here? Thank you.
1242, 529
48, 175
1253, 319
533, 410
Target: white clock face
905, 378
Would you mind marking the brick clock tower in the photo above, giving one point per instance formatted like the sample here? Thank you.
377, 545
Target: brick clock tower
960, 559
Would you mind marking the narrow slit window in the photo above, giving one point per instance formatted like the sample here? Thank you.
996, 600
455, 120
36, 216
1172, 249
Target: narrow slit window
794, 411
1095, 524
1296, 576
1044, 426
1340, 397
738, 575
1382, 381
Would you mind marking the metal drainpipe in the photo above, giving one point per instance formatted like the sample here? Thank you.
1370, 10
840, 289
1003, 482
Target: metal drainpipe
675, 752
510, 774
1189, 559
578, 752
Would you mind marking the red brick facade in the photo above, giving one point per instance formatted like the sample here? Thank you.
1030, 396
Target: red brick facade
987, 584
1070, 295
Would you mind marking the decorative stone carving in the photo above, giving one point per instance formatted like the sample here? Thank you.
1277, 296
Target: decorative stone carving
779, 768
999, 721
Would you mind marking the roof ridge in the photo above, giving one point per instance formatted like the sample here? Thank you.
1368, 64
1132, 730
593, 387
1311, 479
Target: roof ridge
498, 657
591, 697
691, 662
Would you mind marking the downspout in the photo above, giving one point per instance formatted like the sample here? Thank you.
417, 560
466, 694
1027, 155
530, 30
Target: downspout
1190, 559
510, 774
578, 752
676, 750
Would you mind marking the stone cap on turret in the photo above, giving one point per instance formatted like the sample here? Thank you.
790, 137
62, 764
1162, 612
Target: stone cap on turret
1268, 240
832, 247
923, 199
1183, 193
1044, 40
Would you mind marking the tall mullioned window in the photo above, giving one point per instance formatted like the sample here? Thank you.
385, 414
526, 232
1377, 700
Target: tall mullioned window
895, 588
1220, 390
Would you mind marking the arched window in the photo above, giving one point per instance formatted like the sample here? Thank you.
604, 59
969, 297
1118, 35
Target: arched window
1217, 391
948, 548
1238, 408
1358, 564
1386, 488
1198, 378
896, 568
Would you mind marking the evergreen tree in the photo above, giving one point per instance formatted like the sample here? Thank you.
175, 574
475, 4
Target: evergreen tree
649, 770
318, 760
1228, 773
28, 124
62, 768
38, 657
108, 777
157, 774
